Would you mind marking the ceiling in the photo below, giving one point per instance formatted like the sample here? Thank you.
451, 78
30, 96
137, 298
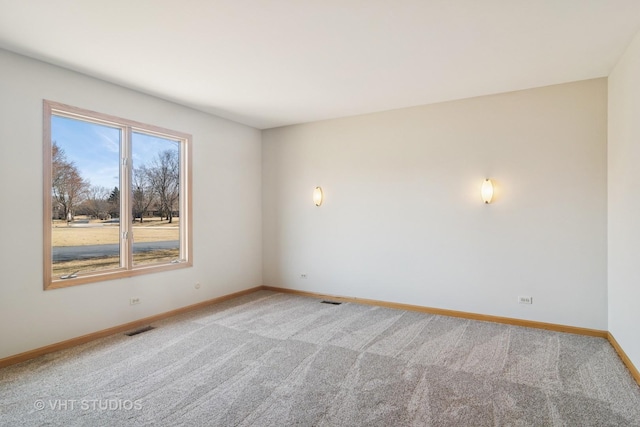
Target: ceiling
269, 63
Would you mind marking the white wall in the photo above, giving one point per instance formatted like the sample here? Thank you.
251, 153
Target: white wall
624, 202
403, 220
226, 202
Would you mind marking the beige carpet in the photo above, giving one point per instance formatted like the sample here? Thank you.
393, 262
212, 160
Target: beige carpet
270, 359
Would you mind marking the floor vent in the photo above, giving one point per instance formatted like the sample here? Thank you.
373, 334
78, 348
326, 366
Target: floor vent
331, 302
139, 331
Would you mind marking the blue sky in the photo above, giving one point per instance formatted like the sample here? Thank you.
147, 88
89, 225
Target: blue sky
145, 147
95, 149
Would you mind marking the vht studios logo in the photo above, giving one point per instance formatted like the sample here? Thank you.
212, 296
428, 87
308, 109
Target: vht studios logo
88, 405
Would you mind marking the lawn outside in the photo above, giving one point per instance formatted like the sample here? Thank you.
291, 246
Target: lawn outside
95, 232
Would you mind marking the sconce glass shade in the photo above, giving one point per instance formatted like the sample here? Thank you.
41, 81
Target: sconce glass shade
318, 196
487, 191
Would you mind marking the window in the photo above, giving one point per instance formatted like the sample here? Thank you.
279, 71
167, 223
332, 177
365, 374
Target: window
116, 197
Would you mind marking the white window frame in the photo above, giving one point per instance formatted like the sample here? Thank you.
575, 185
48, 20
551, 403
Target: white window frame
127, 127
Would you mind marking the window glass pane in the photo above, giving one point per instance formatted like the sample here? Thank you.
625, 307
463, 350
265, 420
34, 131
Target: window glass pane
85, 197
155, 196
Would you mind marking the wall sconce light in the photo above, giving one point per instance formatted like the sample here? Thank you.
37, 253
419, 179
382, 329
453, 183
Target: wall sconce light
318, 196
487, 191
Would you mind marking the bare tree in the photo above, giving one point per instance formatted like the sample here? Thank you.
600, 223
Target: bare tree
96, 203
142, 192
67, 186
163, 175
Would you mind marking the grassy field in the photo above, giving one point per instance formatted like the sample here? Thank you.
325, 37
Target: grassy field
99, 233
108, 263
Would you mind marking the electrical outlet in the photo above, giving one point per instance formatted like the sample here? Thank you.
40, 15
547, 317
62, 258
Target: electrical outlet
303, 275
134, 300
525, 300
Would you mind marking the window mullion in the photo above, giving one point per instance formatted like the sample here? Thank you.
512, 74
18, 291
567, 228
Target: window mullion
126, 248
